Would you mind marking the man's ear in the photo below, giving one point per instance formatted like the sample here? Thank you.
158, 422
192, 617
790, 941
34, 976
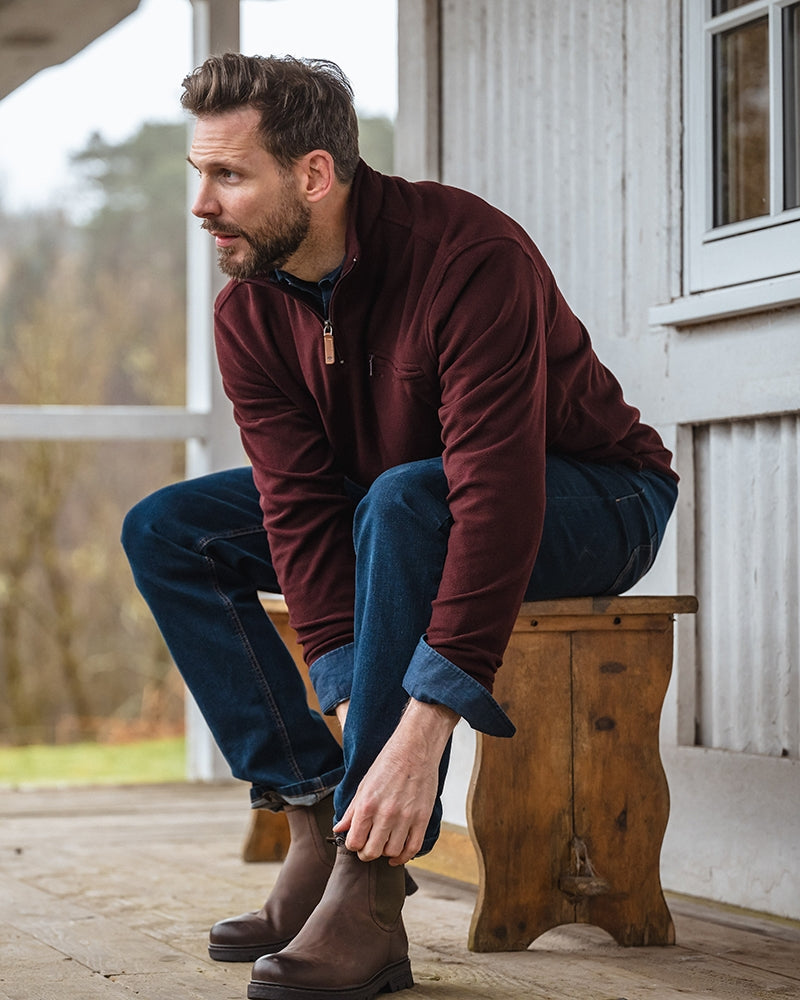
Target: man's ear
317, 175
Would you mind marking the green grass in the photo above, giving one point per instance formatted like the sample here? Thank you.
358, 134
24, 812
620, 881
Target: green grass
150, 761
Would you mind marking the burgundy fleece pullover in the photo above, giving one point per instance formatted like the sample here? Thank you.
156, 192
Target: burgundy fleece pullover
450, 338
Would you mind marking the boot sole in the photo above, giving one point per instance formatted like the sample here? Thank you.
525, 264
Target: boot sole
244, 952
392, 979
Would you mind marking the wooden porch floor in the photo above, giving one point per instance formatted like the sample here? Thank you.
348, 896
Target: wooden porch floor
107, 894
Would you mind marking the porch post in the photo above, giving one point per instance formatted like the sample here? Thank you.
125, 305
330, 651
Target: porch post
215, 29
417, 145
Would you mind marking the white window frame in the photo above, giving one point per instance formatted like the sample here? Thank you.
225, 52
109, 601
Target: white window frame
757, 249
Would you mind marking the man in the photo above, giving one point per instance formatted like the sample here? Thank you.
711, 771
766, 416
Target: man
432, 440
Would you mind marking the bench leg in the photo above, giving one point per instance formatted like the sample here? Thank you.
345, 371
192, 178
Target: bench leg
621, 798
267, 838
519, 804
569, 815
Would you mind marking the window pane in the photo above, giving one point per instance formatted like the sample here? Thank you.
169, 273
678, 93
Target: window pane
741, 123
92, 307
791, 107
722, 6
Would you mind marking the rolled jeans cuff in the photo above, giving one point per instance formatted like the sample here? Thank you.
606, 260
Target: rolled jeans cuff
432, 678
332, 677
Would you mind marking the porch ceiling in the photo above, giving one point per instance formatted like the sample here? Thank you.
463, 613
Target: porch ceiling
35, 34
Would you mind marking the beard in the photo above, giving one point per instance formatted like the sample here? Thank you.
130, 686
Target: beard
270, 244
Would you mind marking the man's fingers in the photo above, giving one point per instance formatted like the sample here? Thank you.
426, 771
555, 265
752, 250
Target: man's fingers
372, 836
409, 849
344, 823
390, 842
396, 846
371, 846
355, 838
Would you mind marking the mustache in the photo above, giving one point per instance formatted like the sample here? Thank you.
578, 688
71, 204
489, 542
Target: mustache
219, 230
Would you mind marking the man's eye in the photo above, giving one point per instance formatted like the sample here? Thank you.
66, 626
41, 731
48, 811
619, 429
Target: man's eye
228, 175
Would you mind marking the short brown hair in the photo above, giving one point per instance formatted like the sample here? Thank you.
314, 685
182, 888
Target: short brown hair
304, 104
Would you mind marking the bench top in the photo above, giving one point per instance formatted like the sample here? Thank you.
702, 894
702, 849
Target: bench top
575, 606
579, 606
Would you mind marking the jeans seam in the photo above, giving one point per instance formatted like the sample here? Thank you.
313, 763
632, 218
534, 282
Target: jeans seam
251, 657
207, 540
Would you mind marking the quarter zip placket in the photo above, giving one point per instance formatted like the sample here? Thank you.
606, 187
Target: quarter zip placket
302, 291
327, 343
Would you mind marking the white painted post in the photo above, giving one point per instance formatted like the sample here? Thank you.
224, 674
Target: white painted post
417, 132
215, 29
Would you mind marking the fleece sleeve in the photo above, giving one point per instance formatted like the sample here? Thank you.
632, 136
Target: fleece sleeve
307, 511
489, 321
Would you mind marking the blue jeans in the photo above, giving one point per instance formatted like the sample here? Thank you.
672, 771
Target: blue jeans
199, 554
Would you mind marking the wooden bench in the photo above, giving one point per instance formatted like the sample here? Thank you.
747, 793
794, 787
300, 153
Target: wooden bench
567, 818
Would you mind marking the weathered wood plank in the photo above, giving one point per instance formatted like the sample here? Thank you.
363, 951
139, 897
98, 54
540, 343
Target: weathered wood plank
105, 950
30, 970
594, 623
516, 901
584, 963
620, 795
101, 943
120, 909
569, 816
582, 606
677, 604
740, 938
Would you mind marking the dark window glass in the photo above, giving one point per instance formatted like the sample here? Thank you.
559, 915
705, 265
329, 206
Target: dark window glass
791, 106
723, 6
741, 122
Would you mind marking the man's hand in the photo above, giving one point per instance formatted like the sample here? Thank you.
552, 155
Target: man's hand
391, 808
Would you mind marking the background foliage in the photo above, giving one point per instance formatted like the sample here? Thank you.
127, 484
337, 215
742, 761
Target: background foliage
93, 312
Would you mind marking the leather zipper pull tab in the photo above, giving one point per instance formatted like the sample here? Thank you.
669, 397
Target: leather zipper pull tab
327, 343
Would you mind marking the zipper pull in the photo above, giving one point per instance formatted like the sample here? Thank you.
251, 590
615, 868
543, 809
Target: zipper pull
327, 343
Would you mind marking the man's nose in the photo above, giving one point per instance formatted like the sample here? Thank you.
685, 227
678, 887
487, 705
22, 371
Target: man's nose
205, 205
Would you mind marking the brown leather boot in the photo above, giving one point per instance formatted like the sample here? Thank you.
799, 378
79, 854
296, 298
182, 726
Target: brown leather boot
353, 945
298, 889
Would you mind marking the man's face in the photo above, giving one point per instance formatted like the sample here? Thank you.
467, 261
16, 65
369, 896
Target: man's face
251, 207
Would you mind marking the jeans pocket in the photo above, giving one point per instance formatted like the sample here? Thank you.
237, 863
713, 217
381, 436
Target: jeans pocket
639, 562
